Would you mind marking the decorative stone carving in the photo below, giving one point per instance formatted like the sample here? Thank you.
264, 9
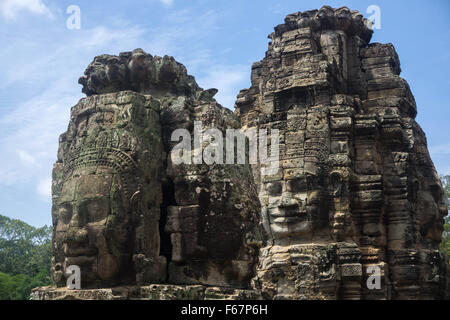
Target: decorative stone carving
107, 192
213, 218
122, 210
356, 187
140, 72
150, 292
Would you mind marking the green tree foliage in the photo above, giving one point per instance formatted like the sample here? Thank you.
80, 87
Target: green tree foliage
25, 258
445, 244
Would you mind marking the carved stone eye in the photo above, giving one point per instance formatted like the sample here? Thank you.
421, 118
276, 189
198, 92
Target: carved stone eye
298, 185
65, 213
274, 188
95, 210
436, 192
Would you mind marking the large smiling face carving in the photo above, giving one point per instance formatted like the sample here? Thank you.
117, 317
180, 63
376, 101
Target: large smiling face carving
106, 193
293, 207
93, 227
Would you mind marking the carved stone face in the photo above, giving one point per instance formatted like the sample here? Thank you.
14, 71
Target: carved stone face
294, 201
293, 206
115, 70
431, 207
105, 74
93, 228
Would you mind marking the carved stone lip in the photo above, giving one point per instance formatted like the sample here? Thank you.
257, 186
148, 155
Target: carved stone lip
77, 251
299, 218
80, 260
287, 212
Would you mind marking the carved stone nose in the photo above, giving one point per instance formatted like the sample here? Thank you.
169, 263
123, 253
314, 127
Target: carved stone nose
287, 200
74, 222
76, 235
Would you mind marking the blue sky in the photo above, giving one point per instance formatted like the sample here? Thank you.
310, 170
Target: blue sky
41, 60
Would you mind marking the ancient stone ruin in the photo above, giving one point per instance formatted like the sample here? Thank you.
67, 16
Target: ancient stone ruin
356, 195
122, 211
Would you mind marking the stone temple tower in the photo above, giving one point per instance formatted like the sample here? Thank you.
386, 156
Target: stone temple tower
356, 194
352, 209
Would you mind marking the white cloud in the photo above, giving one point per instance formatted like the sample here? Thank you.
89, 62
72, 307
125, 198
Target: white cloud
9, 9
44, 188
30, 148
53, 59
104, 37
182, 34
167, 3
27, 159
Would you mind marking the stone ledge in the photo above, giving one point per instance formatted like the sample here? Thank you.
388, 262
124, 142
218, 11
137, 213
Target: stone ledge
151, 292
